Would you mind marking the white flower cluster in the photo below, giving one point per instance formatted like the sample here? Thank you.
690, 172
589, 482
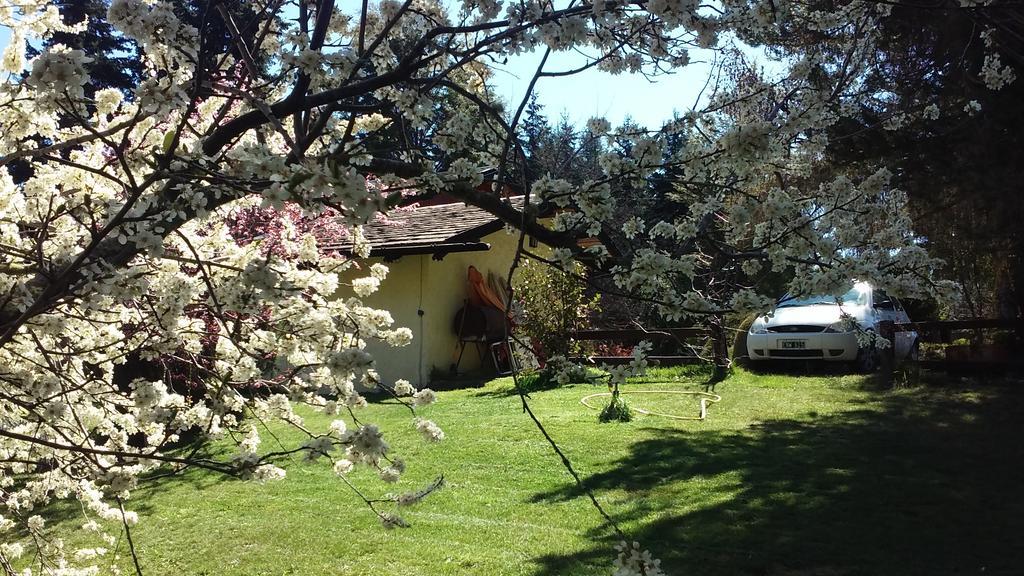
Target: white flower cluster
995, 74
424, 397
632, 561
60, 70
403, 388
430, 431
12, 59
746, 300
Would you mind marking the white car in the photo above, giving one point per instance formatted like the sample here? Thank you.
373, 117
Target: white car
813, 328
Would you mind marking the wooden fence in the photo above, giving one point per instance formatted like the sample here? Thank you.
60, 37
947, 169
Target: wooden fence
687, 339
981, 352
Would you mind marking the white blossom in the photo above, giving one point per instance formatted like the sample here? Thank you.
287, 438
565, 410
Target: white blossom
403, 388
632, 561
343, 467
424, 397
60, 70
431, 432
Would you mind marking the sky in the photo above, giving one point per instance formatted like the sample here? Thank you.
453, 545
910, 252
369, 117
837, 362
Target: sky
596, 93
590, 93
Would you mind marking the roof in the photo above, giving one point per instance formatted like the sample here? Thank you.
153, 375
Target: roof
437, 230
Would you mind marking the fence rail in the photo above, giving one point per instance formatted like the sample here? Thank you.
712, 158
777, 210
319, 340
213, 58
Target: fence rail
634, 335
958, 358
978, 356
941, 331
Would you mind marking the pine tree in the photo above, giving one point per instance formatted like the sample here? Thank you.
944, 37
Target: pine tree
533, 137
116, 61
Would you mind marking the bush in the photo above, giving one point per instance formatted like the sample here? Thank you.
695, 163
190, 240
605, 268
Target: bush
534, 381
552, 304
547, 378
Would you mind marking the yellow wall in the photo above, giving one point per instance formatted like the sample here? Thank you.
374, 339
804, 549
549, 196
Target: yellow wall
445, 290
439, 289
399, 294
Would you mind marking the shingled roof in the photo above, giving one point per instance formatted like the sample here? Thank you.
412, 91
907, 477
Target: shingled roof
437, 230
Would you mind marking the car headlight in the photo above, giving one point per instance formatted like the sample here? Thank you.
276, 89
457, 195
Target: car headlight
758, 328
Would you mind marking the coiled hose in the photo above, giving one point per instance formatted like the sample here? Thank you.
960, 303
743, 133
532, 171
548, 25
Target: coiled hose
706, 398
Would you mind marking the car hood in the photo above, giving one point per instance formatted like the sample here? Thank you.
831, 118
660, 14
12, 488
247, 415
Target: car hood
813, 315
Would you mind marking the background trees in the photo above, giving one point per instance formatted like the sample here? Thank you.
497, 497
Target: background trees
956, 163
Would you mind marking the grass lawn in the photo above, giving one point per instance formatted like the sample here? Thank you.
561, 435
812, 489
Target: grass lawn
790, 474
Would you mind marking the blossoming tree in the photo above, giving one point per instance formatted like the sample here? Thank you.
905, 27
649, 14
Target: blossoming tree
120, 230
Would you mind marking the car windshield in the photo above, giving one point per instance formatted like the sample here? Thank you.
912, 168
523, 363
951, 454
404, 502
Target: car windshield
856, 296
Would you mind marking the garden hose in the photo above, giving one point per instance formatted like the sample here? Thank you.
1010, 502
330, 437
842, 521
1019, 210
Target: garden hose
706, 399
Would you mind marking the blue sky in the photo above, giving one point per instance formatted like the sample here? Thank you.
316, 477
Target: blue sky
595, 93
591, 93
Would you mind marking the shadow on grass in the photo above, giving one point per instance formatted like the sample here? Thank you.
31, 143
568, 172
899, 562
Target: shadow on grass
799, 368
920, 482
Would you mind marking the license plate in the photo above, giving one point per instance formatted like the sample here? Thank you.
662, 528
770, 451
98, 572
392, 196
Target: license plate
793, 344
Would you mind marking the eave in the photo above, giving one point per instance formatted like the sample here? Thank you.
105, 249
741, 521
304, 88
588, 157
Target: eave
437, 250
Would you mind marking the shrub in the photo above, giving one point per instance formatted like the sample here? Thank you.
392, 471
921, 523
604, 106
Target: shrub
548, 377
552, 304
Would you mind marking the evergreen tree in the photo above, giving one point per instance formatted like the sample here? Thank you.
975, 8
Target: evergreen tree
959, 166
116, 61
533, 136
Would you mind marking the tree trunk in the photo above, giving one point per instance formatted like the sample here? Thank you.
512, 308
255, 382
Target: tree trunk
719, 348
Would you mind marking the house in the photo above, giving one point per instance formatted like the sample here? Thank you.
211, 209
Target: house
428, 250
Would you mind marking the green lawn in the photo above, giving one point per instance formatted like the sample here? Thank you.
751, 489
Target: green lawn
790, 475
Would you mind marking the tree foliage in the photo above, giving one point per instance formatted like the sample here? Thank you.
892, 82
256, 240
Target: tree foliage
958, 144
553, 304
